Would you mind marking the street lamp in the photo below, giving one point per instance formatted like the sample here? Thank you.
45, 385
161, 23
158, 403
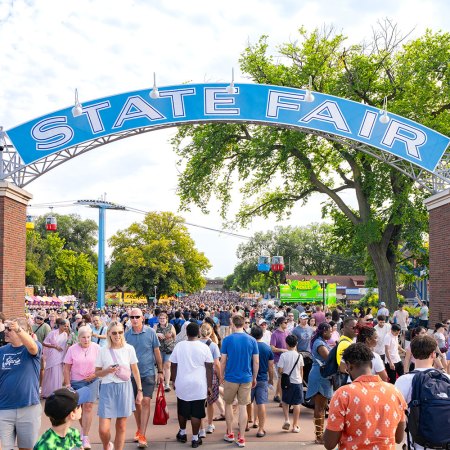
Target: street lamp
323, 284
154, 300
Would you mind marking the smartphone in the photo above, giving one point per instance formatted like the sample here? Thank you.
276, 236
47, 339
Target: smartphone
115, 365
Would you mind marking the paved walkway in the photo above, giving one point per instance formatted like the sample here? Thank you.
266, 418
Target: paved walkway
163, 437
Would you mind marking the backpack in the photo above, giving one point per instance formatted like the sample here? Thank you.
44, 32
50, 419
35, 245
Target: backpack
176, 325
428, 422
330, 367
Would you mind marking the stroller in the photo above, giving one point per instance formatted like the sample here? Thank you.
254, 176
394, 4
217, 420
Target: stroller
308, 361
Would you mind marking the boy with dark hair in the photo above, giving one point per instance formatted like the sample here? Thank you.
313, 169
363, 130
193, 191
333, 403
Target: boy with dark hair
61, 408
369, 412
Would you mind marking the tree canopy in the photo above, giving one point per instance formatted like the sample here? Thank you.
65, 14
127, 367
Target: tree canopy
415, 78
157, 252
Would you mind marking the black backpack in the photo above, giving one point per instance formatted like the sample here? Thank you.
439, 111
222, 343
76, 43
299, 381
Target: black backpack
428, 421
330, 366
176, 324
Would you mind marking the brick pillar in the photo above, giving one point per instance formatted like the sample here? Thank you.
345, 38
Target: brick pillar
438, 207
13, 204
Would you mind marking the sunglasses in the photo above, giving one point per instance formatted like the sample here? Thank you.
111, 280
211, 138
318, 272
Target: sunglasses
39, 318
248, 323
135, 317
115, 333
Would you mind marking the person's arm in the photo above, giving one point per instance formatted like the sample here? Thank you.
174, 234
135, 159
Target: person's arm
331, 439
271, 371
217, 367
255, 362
27, 341
66, 374
159, 364
173, 373
223, 365
323, 351
400, 432
137, 379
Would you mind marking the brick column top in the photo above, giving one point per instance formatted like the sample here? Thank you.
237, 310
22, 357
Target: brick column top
14, 192
437, 200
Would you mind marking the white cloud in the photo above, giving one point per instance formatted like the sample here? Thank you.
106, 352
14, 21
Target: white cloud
108, 47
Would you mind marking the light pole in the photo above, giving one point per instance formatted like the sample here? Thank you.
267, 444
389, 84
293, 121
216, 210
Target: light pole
323, 283
102, 205
154, 300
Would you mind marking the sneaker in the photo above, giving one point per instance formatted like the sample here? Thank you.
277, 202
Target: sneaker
210, 429
110, 446
286, 426
277, 399
202, 433
142, 442
86, 443
240, 441
196, 443
166, 388
136, 436
181, 437
229, 437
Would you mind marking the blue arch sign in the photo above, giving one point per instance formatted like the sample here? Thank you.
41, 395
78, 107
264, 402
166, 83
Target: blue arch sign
199, 103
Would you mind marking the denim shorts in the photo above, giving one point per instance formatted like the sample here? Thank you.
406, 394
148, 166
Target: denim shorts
165, 356
260, 393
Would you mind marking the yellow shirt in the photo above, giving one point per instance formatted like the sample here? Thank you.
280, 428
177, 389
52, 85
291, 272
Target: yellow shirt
343, 343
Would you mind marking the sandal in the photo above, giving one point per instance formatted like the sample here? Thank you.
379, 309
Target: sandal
219, 418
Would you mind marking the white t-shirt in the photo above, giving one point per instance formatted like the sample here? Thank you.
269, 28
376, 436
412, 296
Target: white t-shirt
382, 333
404, 385
266, 337
392, 342
402, 318
191, 356
125, 356
377, 364
287, 361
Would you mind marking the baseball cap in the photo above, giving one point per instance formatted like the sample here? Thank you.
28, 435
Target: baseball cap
78, 316
304, 316
262, 321
382, 304
61, 403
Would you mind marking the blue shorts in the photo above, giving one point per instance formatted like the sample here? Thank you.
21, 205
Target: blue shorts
165, 356
293, 395
260, 393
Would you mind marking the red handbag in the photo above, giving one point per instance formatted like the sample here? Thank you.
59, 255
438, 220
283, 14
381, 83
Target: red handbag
161, 415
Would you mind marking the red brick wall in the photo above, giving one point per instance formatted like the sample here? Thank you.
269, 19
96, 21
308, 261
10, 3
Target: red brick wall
12, 256
439, 228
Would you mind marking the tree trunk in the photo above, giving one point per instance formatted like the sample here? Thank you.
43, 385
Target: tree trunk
385, 271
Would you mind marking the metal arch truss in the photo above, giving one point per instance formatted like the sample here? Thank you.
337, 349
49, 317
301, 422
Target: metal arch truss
13, 169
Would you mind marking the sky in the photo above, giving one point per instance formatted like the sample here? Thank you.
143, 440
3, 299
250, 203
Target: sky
107, 47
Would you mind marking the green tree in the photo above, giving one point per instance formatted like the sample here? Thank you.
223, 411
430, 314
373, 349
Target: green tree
307, 250
415, 79
80, 235
157, 252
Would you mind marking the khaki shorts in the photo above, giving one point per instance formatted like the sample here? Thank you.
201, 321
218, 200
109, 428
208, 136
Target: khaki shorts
242, 391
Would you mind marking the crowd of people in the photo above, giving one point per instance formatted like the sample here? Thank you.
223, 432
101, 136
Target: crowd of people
223, 356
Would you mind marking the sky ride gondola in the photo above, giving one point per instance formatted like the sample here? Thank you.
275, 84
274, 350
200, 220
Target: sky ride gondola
264, 263
30, 222
277, 264
51, 224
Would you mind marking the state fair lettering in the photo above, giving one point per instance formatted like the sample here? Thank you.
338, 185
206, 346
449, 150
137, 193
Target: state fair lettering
209, 103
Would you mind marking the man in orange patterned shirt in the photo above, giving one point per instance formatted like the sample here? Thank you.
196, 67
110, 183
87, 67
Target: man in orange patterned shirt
368, 413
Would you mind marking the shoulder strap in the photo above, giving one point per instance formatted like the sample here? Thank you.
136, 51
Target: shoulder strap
114, 357
101, 331
36, 330
293, 367
208, 342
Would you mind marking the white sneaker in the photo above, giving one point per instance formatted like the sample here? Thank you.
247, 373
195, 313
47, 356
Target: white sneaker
210, 429
202, 433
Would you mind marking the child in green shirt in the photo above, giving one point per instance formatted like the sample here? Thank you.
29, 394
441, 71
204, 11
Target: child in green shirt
61, 408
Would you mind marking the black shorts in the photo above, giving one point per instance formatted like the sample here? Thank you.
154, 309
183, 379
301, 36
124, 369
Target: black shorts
192, 408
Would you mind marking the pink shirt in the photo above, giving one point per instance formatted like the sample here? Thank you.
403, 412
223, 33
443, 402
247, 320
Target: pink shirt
82, 360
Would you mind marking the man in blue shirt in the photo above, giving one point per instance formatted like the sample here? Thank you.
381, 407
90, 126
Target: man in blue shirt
146, 344
20, 409
303, 332
239, 368
260, 393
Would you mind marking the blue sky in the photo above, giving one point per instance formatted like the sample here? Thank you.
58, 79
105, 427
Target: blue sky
107, 47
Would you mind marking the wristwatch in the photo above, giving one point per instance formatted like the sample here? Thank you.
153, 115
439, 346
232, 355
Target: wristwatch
160, 371
140, 390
